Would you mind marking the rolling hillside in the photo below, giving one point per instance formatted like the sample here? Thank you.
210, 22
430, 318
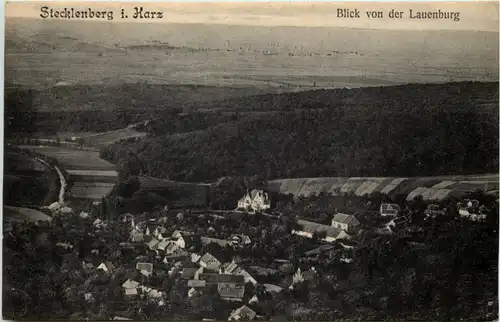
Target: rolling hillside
419, 130
429, 188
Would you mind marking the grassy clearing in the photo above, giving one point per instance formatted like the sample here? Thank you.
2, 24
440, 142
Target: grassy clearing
73, 159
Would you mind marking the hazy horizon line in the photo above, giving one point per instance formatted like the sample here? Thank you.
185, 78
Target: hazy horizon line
245, 25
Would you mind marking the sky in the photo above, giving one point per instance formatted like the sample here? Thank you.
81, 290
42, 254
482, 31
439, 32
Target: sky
477, 15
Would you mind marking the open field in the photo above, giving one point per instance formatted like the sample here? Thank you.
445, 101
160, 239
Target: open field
267, 57
19, 214
96, 176
107, 138
430, 188
73, 159
247, 70
90, 190
90, 176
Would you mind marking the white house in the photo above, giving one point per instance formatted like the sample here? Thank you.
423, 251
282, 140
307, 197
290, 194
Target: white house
242, 313
130, 287
183, 240
310, 228
210, 262
256, 200
345, 222
107, 267
389, 209
234, 269
146, 269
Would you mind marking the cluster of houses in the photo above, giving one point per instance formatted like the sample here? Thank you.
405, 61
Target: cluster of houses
198, 271
472, 210
469, 209
344, 226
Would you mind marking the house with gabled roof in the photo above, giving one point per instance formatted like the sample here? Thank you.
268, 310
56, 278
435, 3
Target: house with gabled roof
240, 239
254, 299
242, 313
213, 278
195, 257
231, 291
208, 261
189, 272
389, 209
160, 232
184, 241
229, 269
130, 287
153, 243
162, 245
146, 269
107, 267
234, 269
136, 236
346, 222
309, 229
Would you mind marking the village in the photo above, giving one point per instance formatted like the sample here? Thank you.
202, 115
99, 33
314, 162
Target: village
250, 264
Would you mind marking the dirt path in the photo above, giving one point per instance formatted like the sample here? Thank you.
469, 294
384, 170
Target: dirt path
62, 181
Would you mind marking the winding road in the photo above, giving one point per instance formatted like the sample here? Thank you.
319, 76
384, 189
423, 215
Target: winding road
62, 180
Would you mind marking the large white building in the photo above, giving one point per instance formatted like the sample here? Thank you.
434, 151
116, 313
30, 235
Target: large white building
345, 222
255, 201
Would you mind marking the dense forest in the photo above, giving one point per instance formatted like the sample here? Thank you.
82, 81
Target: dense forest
77, 108
406, 130
417, 131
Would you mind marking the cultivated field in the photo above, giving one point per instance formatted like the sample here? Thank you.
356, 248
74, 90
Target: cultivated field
73, 159
90, 190
91, 177
97, 176
430, 188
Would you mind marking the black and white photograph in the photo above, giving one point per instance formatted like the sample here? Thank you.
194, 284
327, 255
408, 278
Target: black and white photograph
255, 161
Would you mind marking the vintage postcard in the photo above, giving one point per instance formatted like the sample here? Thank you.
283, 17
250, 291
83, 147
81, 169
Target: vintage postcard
251, 161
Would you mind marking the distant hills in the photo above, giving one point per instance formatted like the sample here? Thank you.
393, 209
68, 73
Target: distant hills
402, 131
